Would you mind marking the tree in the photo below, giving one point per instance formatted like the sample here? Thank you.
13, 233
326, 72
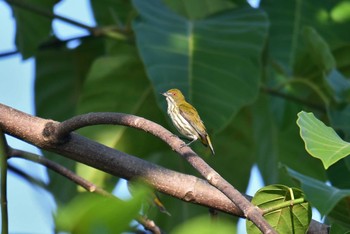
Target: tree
248, 71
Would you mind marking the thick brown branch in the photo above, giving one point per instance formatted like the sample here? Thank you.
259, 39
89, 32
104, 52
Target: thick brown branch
81, 149
192, 189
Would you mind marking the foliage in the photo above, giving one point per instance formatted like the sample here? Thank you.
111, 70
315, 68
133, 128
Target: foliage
247, 71
286, 209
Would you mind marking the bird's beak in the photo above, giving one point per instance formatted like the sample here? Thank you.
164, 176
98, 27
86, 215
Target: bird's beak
164, 94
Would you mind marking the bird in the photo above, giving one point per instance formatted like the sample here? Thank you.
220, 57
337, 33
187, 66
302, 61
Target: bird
186, 119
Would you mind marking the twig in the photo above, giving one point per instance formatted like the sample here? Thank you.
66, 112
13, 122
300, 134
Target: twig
112, 32
286, 96
3, 167
30, 128
41, 11
87, 185
9, 53
61, 132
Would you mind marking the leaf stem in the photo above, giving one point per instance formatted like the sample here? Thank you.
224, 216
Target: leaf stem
283, 205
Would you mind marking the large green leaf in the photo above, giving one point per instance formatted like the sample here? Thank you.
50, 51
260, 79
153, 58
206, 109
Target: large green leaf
329, 200
321, 141
32, 28
215, 61
286, 209
59, 76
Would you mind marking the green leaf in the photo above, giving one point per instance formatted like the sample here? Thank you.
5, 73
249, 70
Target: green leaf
328, 200
318, 49
321, 141
91, 213
198, 9
204, 225
111, 12
266, 138
214, 61
287, 20
284, 208
32, 29
339, 229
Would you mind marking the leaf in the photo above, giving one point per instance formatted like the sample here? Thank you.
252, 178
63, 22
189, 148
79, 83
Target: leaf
328, 200
289, 212
198, 9
111, 12
32, 28
204, 225
321, 141
91, 213
318, 49
214, 61
287, 19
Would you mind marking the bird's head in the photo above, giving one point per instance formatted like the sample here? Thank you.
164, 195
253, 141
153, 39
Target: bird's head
175, 95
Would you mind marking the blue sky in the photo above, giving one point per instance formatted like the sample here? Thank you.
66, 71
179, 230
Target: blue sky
16, 90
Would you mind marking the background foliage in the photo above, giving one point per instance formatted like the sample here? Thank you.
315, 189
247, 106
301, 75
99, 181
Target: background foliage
247, 71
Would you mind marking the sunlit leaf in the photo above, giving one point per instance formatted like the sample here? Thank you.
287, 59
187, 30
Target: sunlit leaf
321, 141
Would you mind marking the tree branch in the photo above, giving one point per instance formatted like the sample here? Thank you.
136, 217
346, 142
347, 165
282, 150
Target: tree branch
295, 99
30, 129
81, 149
4, 152
41, 11
112, 32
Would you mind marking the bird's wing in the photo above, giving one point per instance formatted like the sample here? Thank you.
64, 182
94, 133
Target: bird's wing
191, 115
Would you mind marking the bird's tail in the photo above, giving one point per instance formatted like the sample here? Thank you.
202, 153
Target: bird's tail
208, 141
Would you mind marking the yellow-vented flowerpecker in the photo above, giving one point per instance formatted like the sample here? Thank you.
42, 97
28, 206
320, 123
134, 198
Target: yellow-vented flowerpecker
186, 119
